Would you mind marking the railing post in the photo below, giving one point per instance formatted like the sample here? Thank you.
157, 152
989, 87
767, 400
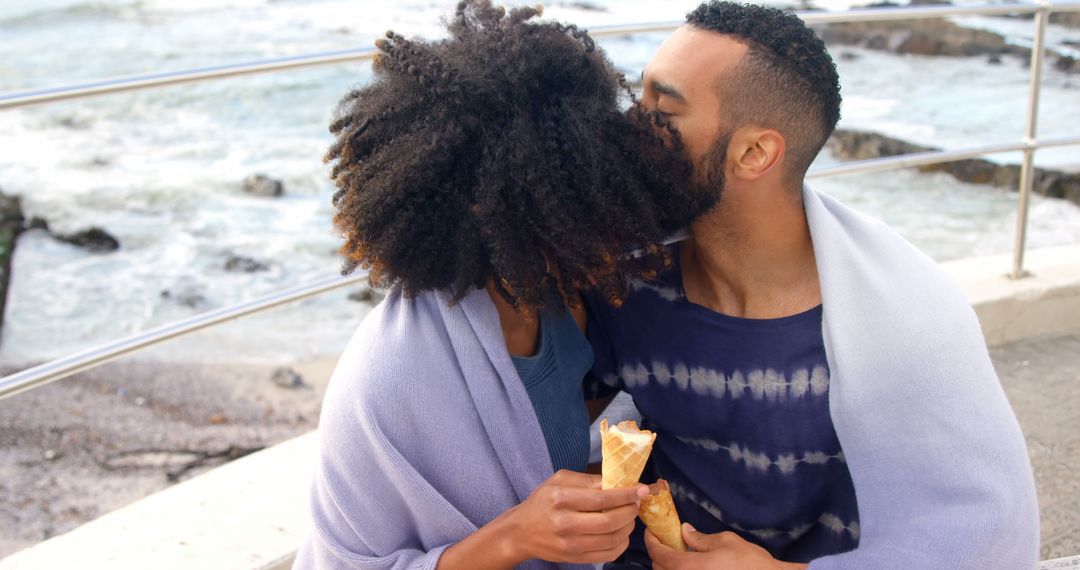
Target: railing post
1027, 169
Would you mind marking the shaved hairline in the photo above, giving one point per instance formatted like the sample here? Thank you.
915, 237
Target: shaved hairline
755, 96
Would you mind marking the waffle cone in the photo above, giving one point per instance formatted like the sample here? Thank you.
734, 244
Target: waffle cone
624, 460
658, 513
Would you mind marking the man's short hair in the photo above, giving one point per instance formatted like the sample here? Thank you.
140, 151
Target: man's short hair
787, 81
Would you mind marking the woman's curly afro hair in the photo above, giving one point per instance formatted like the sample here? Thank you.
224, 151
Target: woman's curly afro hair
502, 153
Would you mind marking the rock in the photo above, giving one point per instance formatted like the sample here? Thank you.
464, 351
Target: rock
262, 185
11, 225
848, 56
94, 239
1067, 64
929, 37
1070, 19
76, 123
920, 44
366, 296
587, 6
859, 145
241, 264
37, 223
919, 37
188, 299
288, 378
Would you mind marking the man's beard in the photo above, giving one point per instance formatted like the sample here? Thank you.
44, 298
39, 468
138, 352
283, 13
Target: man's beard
705, 180
709, 171
708, 182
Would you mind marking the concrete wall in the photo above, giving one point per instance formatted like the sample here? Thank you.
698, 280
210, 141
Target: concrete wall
249, 514
1047, 302
252, 513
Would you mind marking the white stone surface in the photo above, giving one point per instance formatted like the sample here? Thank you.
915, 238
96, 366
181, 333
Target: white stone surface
249, 514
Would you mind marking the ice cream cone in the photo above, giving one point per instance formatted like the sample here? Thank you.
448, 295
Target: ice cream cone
658, 513
625, 450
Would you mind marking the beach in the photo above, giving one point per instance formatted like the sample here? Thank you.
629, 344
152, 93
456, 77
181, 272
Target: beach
86, 445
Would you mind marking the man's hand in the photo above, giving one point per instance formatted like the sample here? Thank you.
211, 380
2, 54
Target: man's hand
721, 551
568, 518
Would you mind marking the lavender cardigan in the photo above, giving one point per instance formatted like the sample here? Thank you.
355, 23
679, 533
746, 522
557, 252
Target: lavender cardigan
427, 433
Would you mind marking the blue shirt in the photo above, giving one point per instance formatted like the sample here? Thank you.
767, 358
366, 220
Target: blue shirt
741, 412
553, 380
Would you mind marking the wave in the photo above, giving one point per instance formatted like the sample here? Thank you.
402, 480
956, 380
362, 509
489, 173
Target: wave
59, 11
62, 11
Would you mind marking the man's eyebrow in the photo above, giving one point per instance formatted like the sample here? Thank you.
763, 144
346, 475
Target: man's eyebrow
666, 89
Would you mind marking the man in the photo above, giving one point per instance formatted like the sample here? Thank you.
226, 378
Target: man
822, 394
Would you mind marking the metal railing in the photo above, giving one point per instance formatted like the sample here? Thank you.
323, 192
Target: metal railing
66, 366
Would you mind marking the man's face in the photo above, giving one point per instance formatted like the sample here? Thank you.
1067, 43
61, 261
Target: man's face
681, 83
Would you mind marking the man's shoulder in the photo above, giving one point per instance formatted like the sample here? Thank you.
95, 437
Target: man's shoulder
871, 257
872, 279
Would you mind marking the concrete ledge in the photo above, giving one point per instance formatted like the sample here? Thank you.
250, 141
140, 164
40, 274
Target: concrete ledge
249, 514
1072, 562
1047, 302
252, 513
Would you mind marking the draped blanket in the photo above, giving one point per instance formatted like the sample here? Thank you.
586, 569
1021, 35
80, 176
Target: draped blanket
427, 433
941, 470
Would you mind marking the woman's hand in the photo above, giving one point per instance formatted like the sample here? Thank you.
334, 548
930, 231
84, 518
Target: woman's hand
567, 518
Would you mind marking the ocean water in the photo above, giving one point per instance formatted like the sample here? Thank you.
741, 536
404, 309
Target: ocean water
162, 169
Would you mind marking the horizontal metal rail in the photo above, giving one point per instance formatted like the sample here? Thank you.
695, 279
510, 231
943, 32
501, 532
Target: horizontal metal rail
78, 362
934, 157
139, 82
66, 366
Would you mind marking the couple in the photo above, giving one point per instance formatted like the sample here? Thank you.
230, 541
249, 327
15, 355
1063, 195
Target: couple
821, 393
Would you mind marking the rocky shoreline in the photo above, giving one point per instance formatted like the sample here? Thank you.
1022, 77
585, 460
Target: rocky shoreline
11, 225
861, 145
13, 222
940, 37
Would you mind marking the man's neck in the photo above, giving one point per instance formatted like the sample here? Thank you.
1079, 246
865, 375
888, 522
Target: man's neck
752, 257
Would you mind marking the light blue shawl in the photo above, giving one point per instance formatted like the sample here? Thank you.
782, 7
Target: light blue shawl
941, 470
427, 433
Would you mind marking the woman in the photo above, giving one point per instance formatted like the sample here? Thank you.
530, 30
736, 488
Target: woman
485, 178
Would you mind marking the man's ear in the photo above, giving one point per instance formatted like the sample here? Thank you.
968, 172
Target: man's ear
755, 151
